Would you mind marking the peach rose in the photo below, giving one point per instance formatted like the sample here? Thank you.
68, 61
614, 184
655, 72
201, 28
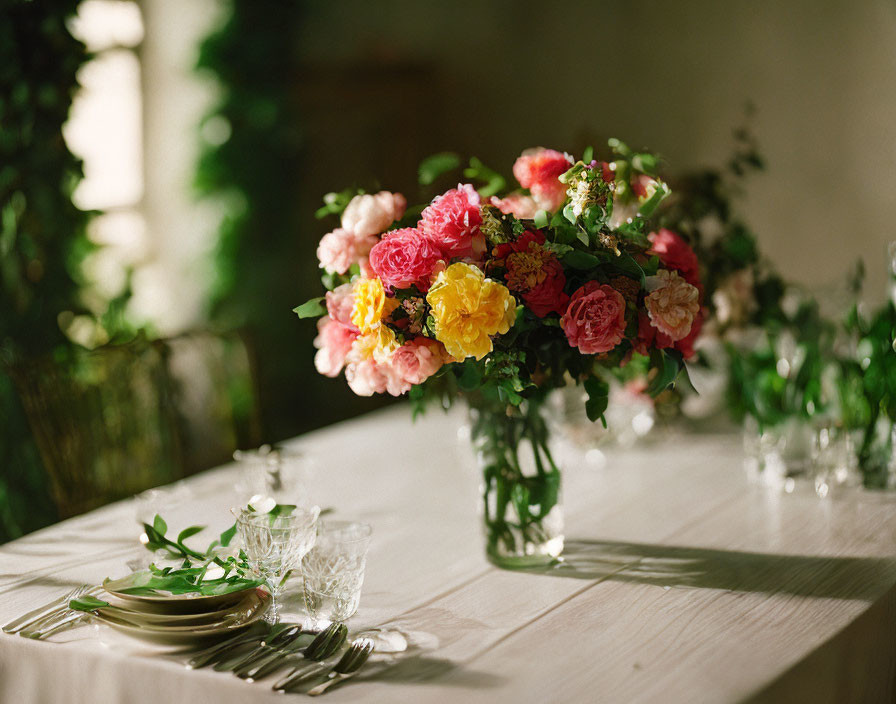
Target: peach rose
417, 360
520, 206
340, 303
334, 342
594, 321
368, 214
366, 378
672, 304
341, 248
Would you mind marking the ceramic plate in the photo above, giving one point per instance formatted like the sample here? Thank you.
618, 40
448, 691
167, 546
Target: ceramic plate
257, 605
123, 610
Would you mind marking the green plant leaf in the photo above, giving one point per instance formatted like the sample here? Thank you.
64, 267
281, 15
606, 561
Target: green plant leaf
187, 532
159, 525
598, 392
577, 259
434, 166
227, 536
311, 309
87, 603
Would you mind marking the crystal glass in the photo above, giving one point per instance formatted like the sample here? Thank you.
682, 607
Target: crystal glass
281, 472
333, 571
275, 545
834, 458
777, 456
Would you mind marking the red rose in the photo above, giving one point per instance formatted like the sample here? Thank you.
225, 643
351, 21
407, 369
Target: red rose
539, 170
548, 296
451, 222
404, 258
675, 253
649, 336
594, 321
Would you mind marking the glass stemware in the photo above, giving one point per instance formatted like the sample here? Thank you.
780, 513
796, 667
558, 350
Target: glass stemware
282, 472
333, 571
276, 544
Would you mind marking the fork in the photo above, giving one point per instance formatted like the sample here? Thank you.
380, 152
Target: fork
302, 673
267, 646
347, 667
325, 644
66, 621
53, 608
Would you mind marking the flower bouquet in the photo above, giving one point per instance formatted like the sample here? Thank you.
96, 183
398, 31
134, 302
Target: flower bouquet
500, 297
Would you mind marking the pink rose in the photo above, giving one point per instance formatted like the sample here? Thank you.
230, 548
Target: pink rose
675, 253
404, 258
334, 341
341, 303
451, 222
417, 360
672, 304
520, 206
594, 321
341, 248
366, 377
539, 170
368, 214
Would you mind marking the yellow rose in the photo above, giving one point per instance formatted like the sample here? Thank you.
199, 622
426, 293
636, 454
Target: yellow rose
371, 304
468, 309
379, 344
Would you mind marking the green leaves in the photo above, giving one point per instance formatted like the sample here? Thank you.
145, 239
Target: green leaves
577, 259
478, 171
434, 166
159, 525
87, 603
668, 363
227, 536
311, 309
598, 392
187, 532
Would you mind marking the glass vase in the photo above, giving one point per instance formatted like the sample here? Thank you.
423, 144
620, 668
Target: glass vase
521, 511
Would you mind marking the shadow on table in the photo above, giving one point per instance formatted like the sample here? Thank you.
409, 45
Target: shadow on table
855, 578
423, 669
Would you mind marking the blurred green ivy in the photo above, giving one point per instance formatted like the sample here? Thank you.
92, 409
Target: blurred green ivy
42, 234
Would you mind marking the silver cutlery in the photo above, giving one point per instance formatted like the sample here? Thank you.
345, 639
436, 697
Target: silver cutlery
209, 655
347, 667
328, 646
66, 621
272, 643
324, 645
58, 605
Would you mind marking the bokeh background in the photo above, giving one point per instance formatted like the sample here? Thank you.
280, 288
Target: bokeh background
198, 139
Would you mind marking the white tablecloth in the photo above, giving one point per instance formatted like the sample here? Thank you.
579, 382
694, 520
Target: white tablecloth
683, 584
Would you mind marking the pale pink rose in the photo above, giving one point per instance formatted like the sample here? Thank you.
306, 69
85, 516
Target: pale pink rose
594, 321
366, 378
451, 222
672, 303
340, 303
341, 248
539, 170
417, 360
404, 258
520, 206
368, 214
334, 341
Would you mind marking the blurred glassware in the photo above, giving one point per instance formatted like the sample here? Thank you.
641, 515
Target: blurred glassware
281, 472
333, 571
834, 458
631, 415
779, 455
276, 544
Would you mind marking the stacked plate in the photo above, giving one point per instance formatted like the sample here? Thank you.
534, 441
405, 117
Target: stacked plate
179, 619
